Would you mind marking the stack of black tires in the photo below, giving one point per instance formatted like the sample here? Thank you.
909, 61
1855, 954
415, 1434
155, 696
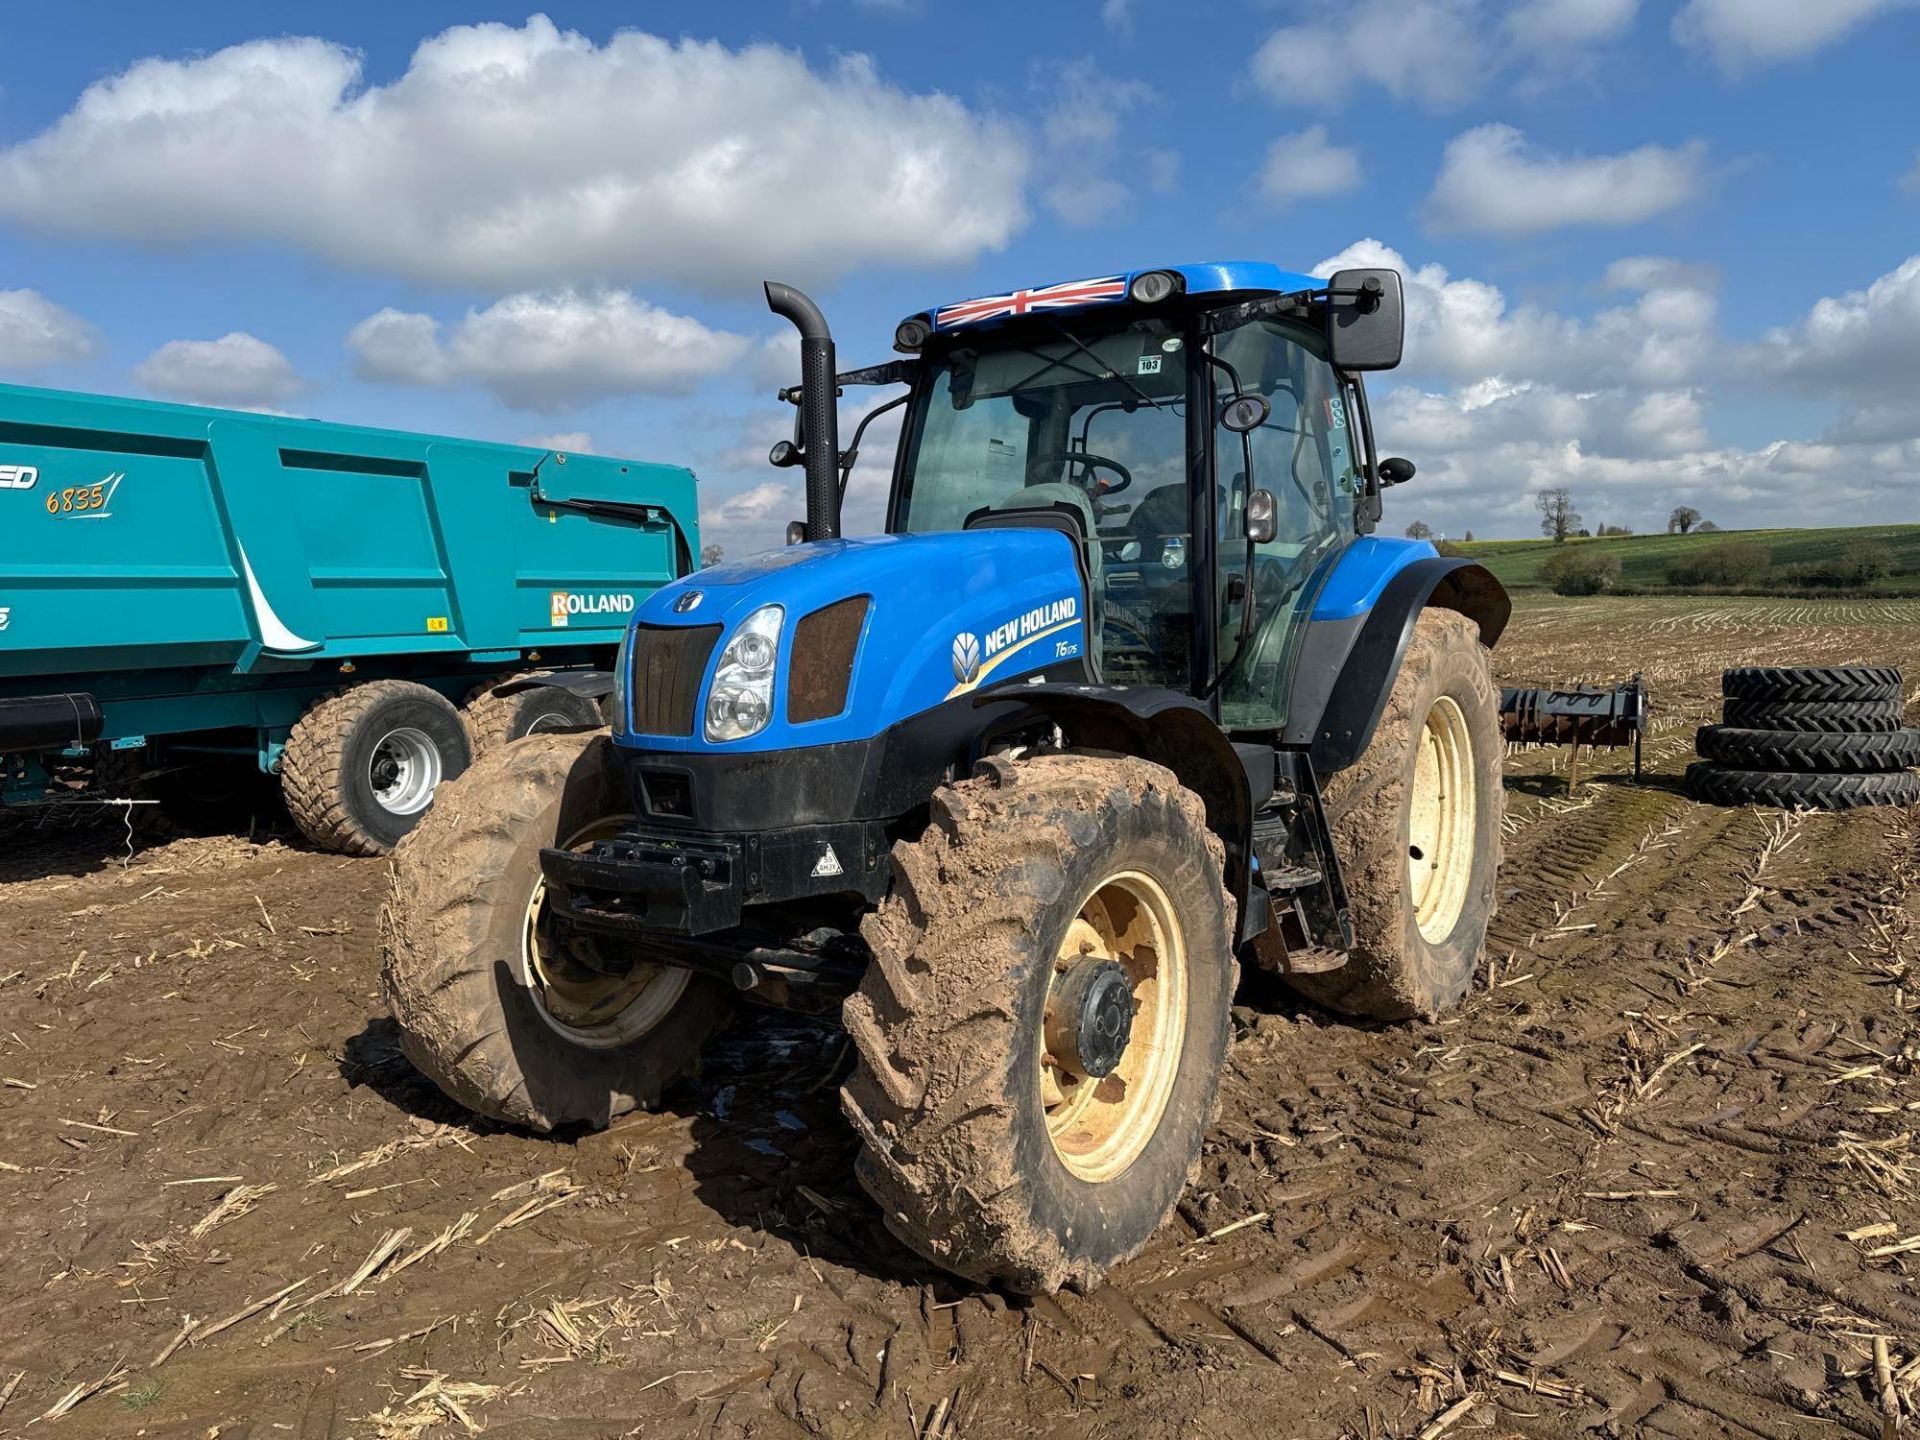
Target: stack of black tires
1818, 736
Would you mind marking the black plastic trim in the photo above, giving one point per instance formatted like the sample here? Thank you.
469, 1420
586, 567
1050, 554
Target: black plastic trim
49, 722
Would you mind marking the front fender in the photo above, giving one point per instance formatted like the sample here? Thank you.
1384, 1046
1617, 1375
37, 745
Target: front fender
1348, 662
1169, 729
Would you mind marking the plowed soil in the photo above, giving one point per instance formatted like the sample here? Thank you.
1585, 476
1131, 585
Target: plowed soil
1655, 1177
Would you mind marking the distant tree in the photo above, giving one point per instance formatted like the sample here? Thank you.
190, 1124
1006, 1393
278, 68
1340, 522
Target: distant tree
1583, 533
711, 554
1706, 527
1615, 530
1419, 530
1581, 570
1468, 537
1682, 520
1558, 518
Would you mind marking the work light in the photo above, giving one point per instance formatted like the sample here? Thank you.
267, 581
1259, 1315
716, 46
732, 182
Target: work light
1154, 286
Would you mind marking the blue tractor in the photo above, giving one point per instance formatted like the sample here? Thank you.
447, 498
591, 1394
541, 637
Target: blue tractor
1128, 697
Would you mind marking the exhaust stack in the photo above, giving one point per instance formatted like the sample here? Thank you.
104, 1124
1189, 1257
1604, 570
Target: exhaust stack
819, 408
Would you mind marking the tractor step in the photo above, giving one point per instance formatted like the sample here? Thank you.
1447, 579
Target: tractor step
1291, 877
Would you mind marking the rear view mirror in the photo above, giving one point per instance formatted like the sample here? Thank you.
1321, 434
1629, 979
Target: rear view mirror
1366, 319
1262, 514
1244, 413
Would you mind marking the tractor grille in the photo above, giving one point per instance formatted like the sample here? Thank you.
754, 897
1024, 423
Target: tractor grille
668, 663
817, 686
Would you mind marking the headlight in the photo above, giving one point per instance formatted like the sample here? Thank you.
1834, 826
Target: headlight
622, 662
741, 700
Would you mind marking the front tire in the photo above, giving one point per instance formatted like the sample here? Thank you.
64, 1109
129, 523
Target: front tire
491, 1008
494, 719
1017, 1127
1416, 827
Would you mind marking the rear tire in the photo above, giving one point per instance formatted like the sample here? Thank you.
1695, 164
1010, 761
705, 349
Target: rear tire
1719, 785
1831, 717
489, 1008
1808, 750
494, 720
362, 765
1419, 851
989, 1153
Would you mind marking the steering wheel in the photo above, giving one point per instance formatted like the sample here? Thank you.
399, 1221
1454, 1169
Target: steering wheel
1088, 463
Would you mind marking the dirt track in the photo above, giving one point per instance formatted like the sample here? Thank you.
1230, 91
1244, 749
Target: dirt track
1608, 1196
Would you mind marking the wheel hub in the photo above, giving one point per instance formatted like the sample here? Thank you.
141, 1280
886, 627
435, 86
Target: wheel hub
1091, 1017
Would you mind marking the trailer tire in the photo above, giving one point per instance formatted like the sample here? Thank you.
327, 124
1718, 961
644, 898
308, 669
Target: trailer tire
1721, 785
984, 1157
479, 999
1811, 682
1828, 717
1420, 918
494, 719
1807, 749
362, 765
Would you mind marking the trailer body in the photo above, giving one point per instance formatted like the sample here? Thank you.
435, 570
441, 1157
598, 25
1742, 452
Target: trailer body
189, 580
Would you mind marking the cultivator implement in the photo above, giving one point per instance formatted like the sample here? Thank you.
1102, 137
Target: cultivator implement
1590, 715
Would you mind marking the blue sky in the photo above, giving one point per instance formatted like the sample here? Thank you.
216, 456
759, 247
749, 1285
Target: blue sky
1657, 252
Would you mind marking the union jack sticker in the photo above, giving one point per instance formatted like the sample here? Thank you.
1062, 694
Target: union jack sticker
1072, 294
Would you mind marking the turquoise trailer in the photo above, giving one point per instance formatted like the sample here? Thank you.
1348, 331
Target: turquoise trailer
191, 599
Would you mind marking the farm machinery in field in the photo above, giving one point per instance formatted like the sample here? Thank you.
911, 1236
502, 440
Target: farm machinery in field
1127, 695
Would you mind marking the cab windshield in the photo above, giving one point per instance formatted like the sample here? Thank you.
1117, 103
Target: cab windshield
1094, 417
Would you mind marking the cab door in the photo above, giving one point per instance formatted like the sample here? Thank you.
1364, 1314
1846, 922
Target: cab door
1303, 454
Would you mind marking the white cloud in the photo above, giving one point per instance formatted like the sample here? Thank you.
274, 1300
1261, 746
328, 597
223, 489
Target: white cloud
1117, 16
1437, 54
1742, 35
1658, 272
529, 156
1545, 26
1864, 343
1304, 164
569, 442
548, 350
1429, 52
35, 332
1492, 182
1080, 141
238, 370
1911, 180
1462, 330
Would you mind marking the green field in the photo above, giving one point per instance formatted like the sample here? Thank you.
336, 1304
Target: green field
1644, 558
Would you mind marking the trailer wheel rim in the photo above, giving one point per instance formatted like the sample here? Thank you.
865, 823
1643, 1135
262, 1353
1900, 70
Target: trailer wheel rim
1440, 822
599, 1012
404, 770
1100, 1126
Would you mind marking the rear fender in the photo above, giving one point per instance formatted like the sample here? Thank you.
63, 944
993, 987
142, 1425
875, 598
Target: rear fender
1167, 728
1348, 665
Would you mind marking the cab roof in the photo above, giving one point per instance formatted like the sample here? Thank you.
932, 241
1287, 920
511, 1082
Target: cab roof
1249, 278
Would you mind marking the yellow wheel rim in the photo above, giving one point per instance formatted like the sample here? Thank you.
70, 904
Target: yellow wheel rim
1100, 1126
1440, 822
597, 1011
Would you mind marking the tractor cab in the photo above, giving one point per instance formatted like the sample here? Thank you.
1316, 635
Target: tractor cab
1194, 426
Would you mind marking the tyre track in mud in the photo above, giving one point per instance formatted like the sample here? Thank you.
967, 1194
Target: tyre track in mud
1617, 1177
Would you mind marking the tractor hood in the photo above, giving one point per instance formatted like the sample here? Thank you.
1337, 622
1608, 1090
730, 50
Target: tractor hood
946, 614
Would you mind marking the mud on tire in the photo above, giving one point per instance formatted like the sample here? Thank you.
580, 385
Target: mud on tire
480, 1010
494, 719
950, 1095
327, 771
1396, 970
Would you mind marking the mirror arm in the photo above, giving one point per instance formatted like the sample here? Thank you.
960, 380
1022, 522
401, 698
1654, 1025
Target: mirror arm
852, 453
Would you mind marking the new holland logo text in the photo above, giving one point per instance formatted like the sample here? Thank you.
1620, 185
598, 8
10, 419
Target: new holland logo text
564, 604
1043, 617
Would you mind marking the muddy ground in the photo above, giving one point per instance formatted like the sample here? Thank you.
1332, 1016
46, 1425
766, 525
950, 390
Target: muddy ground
1654, 1179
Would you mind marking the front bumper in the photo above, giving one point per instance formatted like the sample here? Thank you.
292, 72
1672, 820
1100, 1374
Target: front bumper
651, 881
